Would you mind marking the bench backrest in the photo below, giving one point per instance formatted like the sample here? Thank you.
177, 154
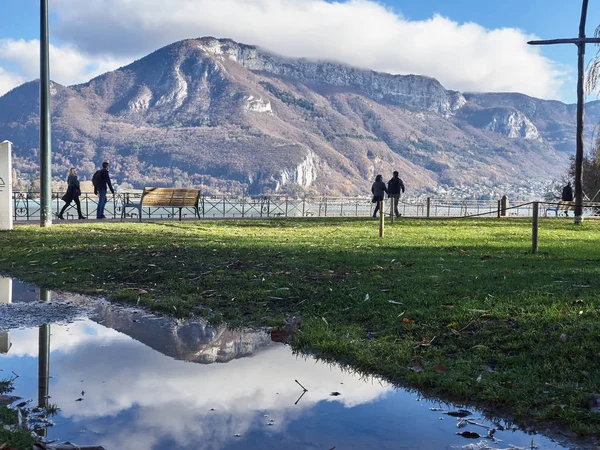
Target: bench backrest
170, 197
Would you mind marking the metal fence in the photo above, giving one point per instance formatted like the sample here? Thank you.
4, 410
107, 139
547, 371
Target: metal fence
27, 207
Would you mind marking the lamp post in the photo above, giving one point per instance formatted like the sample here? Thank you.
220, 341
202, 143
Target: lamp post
45, 133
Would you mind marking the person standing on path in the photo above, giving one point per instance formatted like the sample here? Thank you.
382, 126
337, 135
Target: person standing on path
378, 190
394, 187
101, 181
567, 195
72, 194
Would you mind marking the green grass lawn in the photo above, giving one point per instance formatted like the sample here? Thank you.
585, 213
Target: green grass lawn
458, 308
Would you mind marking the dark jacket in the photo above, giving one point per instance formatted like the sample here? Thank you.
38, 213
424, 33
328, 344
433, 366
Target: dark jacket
379, 190
395, 185
104, 183
567, 194
73, 189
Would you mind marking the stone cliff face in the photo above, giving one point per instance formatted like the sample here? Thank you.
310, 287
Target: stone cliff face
514, 124
304, 174
411, 91
506, 121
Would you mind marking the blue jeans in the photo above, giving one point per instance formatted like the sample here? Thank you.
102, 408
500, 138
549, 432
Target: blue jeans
101, 202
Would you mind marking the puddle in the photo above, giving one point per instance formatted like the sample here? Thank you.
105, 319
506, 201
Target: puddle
126, 379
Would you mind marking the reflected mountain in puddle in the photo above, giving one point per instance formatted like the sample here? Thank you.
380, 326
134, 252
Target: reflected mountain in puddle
127, 379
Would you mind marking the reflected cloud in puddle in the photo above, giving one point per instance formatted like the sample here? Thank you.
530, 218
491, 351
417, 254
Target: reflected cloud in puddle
148, 382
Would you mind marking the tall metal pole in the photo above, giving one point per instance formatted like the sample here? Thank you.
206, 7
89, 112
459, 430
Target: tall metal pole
45, 133
580, 116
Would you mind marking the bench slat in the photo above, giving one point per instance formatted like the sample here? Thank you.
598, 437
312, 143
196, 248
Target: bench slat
170, 197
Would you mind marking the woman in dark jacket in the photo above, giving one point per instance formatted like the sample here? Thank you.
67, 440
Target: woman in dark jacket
72, 195
379, 190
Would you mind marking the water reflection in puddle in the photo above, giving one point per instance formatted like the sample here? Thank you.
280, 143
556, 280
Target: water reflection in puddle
128, 380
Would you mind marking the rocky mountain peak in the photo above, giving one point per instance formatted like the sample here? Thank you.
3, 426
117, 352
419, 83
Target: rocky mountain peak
409, 91
229, 117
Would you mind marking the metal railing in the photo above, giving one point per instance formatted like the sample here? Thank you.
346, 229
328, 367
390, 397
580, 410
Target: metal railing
27, 207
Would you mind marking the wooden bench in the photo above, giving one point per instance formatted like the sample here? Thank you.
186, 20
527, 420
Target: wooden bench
563, 205
165, 198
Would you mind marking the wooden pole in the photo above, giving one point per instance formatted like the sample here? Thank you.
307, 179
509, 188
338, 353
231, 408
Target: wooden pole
381, 219
580, 42
428, 206
534, 228
392, 205
580, 117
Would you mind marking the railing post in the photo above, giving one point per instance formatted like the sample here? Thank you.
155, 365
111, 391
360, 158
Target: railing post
325, 206
286, 206
504, 205
381, 219
428, 206
392, 204
304, 206
534, 228
499, 208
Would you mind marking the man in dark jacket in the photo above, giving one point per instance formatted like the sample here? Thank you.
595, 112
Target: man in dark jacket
395, 186
101, 186
567, 195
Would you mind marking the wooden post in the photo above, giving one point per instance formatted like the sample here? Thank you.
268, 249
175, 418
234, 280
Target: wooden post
504, 206
499, 208
428, 206
534, 228
381, 219
392, 204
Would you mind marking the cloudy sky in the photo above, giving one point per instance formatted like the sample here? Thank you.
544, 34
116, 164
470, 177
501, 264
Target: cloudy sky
467, 46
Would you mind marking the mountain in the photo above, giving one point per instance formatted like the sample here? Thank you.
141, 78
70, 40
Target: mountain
229, 117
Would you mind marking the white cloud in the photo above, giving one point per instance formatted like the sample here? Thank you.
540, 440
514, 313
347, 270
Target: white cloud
8, 81
465, 57
101, 35
68, 65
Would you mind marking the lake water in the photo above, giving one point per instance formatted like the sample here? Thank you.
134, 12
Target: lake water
127, 379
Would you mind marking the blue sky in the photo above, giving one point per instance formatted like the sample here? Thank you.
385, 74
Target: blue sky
485, 39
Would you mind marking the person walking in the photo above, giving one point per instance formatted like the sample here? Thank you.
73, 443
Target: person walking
101, 182
394, 187
72, 194
378, 190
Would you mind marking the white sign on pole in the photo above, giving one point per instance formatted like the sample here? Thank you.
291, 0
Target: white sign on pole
6, 201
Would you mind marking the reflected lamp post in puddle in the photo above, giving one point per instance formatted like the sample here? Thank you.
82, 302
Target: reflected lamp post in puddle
44, 356
5, 299
43, 361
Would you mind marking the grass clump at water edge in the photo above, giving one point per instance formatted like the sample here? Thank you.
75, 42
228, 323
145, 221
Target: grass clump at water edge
11, 434
460, 308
